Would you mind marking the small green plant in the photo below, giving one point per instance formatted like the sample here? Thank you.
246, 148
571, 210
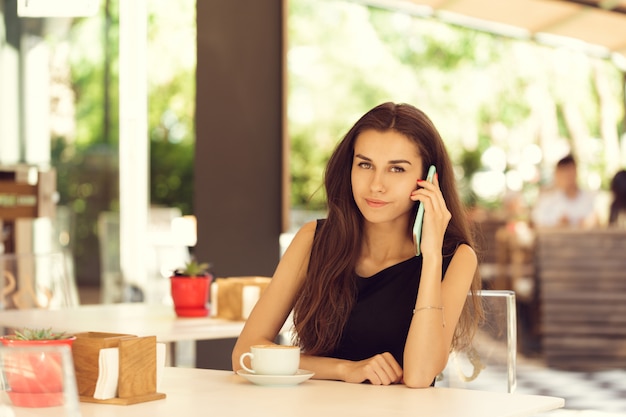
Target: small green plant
193, 269
40, 334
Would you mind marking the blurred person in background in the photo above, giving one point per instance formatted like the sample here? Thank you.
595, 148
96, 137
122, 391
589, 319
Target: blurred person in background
566, 204
617, 212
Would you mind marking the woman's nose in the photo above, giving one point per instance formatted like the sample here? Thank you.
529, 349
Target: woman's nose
377, 185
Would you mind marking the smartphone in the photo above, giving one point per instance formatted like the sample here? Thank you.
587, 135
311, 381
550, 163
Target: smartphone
419, 217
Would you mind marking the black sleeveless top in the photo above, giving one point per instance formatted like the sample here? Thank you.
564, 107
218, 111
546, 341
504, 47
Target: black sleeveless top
380, 319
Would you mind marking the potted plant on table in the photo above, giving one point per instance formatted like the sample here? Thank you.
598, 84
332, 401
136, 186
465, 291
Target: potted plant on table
35, 377
190, 289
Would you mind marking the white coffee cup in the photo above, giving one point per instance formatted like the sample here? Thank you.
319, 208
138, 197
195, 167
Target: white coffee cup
272, 359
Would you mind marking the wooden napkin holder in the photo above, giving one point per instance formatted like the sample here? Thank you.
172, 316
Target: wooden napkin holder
229, 295
137, 366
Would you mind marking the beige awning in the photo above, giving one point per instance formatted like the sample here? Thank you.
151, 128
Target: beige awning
595, 25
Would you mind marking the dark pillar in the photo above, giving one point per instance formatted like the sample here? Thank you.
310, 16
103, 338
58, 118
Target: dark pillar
239, 159
239, 135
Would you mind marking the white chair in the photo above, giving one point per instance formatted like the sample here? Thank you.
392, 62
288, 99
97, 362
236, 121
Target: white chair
164, 252
36, 280
111, 282
490, 363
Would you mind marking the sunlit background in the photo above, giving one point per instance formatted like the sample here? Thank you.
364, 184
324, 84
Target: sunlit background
507, 108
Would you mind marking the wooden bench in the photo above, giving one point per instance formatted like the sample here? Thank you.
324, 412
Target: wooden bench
582, 289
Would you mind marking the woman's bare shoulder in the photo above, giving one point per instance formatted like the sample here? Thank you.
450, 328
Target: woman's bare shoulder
464, 263
299, 248
305, 234
466, 253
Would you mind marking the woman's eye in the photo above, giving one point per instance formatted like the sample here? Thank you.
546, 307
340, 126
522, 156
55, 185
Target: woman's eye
365, 165
397, 169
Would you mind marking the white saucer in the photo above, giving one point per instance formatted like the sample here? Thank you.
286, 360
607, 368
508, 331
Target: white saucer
300, 376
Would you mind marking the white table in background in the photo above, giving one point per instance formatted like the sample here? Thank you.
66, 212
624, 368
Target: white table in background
139, 319
135, 318
202, 392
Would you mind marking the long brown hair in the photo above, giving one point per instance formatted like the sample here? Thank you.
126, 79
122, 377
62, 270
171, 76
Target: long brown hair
328, 292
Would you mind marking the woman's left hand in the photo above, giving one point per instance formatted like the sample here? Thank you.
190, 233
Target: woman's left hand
436, 215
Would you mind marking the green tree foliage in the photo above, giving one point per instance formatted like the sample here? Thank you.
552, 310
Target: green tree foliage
87, 162
482, 91
171, 173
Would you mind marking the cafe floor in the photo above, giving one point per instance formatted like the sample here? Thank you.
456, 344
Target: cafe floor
587, 394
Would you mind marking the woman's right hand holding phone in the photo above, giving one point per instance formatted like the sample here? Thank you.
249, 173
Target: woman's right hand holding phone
436, 215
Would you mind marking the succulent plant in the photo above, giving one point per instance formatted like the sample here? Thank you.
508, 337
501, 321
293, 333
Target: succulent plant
193, 269
40, 334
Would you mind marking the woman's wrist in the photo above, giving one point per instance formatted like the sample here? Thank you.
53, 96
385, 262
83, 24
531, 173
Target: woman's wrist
432, 267
435, 257
326, 368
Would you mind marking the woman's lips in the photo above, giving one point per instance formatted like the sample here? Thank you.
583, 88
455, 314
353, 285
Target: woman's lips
375, 203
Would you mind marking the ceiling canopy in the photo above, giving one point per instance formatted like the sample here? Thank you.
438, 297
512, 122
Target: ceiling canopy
597, 26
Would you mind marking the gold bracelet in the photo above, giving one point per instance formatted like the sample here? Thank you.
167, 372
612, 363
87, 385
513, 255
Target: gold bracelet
428, 308
443, 317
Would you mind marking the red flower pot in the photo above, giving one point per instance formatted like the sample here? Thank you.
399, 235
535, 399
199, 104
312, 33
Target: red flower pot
35, 379
190, 295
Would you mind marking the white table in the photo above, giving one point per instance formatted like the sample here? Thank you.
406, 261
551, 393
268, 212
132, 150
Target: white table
202, 392
139, 319
134, 318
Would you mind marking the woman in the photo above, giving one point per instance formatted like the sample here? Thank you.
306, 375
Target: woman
365, 307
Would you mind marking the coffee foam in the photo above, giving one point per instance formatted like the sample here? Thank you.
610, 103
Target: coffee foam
275, 347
